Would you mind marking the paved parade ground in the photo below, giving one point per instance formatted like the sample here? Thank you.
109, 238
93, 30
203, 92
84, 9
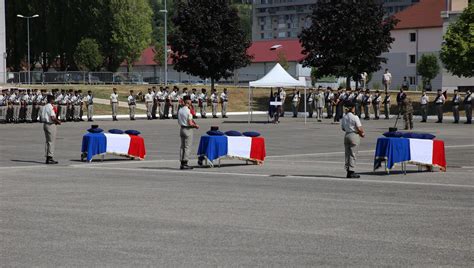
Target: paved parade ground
295, 210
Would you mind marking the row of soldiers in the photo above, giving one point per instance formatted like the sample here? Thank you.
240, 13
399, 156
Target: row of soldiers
332, 102
161, 102
25, 105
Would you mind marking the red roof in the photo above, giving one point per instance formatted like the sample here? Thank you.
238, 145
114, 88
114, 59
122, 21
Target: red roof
425, 14
262, 50
148, 58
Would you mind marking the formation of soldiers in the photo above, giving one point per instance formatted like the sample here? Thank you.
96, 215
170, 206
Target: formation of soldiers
368, 104
162, 102
25, 105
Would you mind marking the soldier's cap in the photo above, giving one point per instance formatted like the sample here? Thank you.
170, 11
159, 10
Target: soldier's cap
214, 128
94, 126
186, 98
89, 91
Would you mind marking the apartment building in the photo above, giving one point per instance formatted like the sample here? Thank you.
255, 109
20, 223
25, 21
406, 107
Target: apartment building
276, 19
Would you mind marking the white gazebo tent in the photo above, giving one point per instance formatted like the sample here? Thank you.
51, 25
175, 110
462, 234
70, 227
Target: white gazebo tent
277, 77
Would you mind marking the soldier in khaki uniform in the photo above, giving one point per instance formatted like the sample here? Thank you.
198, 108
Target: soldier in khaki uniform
132, 104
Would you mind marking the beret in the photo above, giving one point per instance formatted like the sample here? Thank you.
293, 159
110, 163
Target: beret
393, 134
215, 133
95, 130
115, 131
132, 132
233, 133
424, 136
251, 134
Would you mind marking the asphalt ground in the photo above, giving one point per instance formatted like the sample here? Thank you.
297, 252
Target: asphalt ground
295, 210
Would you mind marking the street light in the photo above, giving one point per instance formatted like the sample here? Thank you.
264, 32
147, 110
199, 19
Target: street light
28, 34
165, 11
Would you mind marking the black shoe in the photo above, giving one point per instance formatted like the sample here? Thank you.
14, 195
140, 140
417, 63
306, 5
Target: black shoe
214, 116
456, 122
50, 161
468, 123
439, 122
133, 119
352, 175
423, 121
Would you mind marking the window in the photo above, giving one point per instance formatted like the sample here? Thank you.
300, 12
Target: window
262, 27
412, 37
262, 36
282, 34
412, 80
412, 59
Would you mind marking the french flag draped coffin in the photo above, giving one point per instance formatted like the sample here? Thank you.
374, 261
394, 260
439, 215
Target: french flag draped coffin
245, 148
428, 152
118, 144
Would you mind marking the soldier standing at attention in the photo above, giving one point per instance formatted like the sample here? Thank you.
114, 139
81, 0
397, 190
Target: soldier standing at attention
162, 102
224, 102
400, 97
376, 100
59, 102
114, 103
386, 105
366, 102
29, 98
203, 102
174, 98
424, 100
155, 103
439, 102
282, 98
50, 121
309, 102
214, 102
352, 127
9, 115
387, 80
3, 107
187, 124
407, 109
76, 106
335, 103
358, 102
295, 102
456, 101
405, 83
319, 102
132, 104
194, 100
16, 100
468, 106
166, 96
90, 106
149, 104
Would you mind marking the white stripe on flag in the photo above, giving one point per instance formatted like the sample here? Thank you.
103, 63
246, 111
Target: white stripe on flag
421, 151
117, 143
239, 146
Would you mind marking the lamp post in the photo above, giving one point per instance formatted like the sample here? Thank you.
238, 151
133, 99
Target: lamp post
165, 11
28, 36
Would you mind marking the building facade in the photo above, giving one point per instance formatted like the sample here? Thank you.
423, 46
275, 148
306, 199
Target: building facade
3, 49
280, 19
420, 31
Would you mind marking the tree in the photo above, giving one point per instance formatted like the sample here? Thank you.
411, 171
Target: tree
347, 38
131, 29
283, 60
88, 56
427, 67
457, 52
208, 40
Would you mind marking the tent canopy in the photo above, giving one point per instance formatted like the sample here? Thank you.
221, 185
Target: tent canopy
277, 77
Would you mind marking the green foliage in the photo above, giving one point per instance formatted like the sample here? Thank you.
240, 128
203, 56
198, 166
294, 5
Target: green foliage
283, 60
457, 52
158, 19
88, 56
428, 67
208, 40
346, 38
131, 28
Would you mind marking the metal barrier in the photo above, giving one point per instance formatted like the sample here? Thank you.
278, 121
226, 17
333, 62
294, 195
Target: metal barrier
136, 78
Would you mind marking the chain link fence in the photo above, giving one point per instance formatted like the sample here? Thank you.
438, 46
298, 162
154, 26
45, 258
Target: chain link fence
136, 78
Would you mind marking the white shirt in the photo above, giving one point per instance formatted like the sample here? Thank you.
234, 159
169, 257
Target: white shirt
184, 115
174, 96
424, 99
148, 97
350, 123
320, 100
65, 100
114, 97
282, 95
193, 97
2, 100
47, 113
387, 77
377, 99
224, 96
73, 99
441, 99
203, 97
214, 98
468, 97
131, 100
296, 97
89, 99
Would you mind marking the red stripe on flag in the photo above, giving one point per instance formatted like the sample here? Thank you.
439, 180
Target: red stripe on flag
439, 157
257, 149
137, 147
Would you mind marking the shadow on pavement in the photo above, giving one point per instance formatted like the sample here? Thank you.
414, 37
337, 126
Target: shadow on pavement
27, 161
